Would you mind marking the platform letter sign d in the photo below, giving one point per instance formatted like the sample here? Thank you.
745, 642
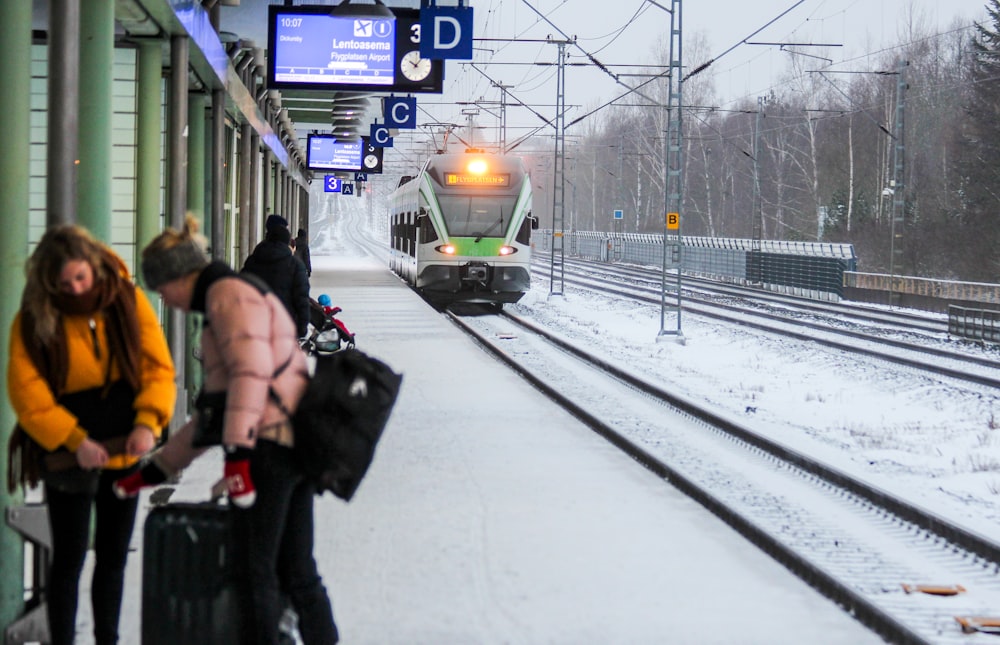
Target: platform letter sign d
447, 33
673, 221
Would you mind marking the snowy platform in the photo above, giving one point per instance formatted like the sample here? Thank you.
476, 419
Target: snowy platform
491, 517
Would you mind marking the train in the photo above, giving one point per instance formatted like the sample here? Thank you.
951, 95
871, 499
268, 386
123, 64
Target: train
460, 229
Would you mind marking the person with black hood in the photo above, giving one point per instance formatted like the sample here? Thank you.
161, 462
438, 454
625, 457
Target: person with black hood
302, 250
273, 262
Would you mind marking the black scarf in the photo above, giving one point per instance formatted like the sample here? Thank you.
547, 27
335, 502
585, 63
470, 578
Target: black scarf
214, 271
115, 296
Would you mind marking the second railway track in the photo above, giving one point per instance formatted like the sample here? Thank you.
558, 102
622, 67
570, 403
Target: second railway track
854, 542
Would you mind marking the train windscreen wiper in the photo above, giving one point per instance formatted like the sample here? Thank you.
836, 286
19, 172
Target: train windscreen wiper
499, 222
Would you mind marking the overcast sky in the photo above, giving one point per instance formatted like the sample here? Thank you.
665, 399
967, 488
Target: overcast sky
623, 33
626, 35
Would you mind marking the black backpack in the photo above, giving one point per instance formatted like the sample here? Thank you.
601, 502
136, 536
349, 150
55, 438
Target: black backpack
341, 417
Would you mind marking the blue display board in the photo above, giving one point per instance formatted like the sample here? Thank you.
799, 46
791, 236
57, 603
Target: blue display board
325, 49
310, 49
325, 152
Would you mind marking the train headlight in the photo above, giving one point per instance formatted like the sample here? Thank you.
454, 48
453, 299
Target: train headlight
507, 250
447, 249
477, 166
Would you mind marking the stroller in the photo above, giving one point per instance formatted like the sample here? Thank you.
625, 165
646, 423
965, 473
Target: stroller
329, 334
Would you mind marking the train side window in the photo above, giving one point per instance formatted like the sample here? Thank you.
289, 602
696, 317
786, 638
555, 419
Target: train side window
411, 234
427, 232
524, 232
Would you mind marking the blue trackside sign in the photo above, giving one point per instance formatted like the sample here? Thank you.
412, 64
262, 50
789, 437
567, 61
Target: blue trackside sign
331, 184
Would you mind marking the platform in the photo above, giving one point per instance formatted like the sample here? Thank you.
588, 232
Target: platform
492, 517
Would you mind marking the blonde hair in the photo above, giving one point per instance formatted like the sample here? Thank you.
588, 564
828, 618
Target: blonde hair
171, 238
174, 254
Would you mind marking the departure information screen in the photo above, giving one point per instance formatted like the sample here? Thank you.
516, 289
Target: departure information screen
327, 153
333, 50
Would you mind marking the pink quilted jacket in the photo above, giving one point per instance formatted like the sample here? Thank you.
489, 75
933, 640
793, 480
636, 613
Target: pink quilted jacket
247, 338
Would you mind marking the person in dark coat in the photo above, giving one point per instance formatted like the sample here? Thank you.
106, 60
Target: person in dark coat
273, 261
302, 250
274, 221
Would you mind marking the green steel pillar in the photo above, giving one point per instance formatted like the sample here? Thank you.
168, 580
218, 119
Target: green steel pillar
62, 116
197, 205
196, 146
266, 180
15, 34
149, 149
243, 182
177, 201
97, 51
217, 175
253, 216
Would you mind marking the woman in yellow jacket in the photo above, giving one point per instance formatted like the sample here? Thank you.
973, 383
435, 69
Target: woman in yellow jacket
91, 380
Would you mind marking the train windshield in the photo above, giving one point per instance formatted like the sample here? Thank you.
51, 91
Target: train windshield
476, 217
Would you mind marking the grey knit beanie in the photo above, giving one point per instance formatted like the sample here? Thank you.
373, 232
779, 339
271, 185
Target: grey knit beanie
163, 265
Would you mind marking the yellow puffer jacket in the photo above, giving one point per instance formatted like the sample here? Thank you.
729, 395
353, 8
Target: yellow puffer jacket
50, 424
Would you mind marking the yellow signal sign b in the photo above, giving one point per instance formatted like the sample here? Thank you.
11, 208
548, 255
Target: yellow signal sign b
673, 220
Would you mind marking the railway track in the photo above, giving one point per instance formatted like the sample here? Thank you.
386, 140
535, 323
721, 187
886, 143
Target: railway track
853, 541
843, 313
938, 359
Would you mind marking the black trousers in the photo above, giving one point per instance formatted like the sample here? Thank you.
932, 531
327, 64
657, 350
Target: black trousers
69, 517
274, 546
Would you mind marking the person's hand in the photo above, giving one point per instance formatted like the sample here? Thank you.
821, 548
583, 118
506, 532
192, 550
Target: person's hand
90, 455
140, 441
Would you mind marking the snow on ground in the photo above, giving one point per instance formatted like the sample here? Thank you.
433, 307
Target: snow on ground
935, 443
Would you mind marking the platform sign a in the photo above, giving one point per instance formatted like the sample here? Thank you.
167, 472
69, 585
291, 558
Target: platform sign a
331, 184
347, 189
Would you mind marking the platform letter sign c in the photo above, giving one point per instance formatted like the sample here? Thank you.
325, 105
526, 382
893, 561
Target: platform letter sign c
379, 136
673, 221
448, 32
400, 112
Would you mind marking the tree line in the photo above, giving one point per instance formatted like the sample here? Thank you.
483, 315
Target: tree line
903, 161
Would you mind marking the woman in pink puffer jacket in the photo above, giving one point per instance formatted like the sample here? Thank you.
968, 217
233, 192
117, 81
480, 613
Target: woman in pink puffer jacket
250, 354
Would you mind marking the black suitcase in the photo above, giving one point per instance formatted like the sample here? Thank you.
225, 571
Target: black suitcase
188, 578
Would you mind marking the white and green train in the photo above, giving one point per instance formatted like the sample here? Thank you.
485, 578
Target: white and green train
460, 230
